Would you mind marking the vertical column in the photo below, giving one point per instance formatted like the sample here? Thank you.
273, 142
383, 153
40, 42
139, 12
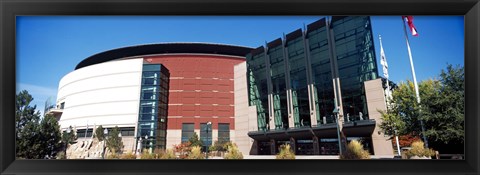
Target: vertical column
335, 74
273, 147
310, 86
316, 149
291, 121
293, 145
268, 75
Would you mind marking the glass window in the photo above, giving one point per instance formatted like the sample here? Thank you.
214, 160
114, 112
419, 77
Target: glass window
187, 131
223, 132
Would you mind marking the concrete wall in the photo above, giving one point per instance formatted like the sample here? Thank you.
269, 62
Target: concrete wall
245, 116
103, 94
376, 101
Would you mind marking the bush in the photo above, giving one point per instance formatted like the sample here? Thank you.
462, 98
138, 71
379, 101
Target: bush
196, 153
355, 151
233, 152
128, 155
61, 155
285, 152
419, 150
169, 154
157, 152
147, 155
183, 149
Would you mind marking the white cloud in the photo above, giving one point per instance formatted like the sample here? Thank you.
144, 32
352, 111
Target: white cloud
40, 94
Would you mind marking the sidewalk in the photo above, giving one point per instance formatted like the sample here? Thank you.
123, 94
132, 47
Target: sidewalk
301, 157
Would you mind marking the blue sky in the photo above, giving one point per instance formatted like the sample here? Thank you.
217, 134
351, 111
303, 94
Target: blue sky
49, 47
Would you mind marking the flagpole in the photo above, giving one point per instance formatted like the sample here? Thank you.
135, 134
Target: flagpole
388, 89
414, 80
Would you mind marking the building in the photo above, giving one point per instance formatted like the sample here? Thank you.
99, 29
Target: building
297, 85
161, 92
309, 89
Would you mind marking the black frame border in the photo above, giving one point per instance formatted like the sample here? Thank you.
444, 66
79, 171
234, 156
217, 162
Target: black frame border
11, 8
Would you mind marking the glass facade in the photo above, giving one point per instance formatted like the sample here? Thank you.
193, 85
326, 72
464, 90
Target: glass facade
258, 88
323, 94
279, 87
298, 78
355, 56
294, 77
152, 120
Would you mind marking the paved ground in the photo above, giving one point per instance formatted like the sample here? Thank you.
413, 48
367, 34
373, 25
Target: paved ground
300, 157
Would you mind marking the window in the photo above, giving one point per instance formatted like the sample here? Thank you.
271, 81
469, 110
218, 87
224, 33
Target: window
223, 132
187, 131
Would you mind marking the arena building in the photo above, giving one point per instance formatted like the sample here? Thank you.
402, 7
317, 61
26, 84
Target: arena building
312, 89
161, 92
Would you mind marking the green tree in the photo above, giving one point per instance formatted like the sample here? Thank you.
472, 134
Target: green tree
441, 108
50, 137
114, 142
99, 133
36, 138
26, 126
195, 141
68, 137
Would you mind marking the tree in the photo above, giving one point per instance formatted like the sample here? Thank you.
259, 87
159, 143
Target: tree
50, 137
443, 111
195, 141
99, 133
441, 108
35, 138
26, 123
114, 142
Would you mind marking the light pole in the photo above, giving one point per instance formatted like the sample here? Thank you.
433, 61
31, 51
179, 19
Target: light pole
208, 124
67, 140
146, 141
105, 133
335, 113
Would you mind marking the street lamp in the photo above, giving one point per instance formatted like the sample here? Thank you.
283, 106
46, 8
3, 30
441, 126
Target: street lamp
208, 124
105, 133
335, 113
146, 141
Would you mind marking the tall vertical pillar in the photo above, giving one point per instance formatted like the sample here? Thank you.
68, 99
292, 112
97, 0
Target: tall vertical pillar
273, 147
293, 145
310, 86
316, 149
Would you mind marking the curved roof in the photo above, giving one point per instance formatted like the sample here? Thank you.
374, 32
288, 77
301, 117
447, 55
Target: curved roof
163, 48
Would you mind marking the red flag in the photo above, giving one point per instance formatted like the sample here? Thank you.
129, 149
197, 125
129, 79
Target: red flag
410, 25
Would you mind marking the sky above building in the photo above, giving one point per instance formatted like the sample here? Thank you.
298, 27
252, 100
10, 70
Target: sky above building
49, 47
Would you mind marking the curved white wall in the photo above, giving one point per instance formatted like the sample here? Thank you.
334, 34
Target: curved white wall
104, 94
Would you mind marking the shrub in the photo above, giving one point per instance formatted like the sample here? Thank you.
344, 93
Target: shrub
196, 153
233, 152
128, 155
355, 151
419, 150
285, 152
112, 154
169, 154
61, 155
147, 155
158, 153
183, 149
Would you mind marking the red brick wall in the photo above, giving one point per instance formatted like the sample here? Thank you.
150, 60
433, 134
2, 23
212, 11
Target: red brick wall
203, 84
